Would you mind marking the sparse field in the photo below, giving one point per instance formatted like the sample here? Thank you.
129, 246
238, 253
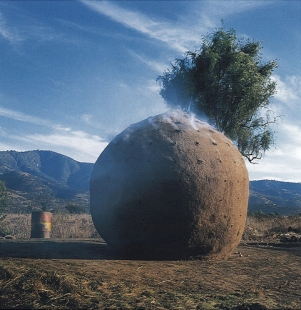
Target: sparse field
267, 228
81, 226
63, 226
262, 273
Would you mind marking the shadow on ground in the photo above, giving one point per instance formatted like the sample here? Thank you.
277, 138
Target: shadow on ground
95, 249
56, 249
292, 247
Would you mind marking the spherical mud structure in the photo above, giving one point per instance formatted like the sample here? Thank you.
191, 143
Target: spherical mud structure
170, 186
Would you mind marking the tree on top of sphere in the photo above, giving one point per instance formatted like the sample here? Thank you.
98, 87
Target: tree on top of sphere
228, 82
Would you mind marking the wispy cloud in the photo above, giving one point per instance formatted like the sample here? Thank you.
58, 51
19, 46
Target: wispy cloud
153, 86
74, 143
283, 161
221, 9
180, 35
23, 30
290, 142
25, 27
155, 65
289, 90
274, 168
176, 38
108, 131
280, 164
23, 117
287, 103
8, 33
77, 144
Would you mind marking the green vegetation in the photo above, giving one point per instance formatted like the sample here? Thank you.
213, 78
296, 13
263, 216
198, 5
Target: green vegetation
259, 213
74, 208
227, 81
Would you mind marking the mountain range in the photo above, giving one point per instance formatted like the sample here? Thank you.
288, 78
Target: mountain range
272, 196
44, 178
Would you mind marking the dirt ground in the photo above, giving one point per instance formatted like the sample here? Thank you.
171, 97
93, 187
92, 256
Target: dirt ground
83, 273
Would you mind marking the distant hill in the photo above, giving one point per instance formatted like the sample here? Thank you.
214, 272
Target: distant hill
275, 197
44, 177
48, 165
36, 178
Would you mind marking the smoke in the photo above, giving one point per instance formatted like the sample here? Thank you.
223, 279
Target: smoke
176, 118
194, 120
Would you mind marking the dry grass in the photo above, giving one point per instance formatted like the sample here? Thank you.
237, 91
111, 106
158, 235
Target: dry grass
63, 226
73, 226
262, 278
45, 289
81, 226
83, 274
262, 227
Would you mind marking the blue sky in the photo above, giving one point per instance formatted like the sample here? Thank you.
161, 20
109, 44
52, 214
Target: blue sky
74, 74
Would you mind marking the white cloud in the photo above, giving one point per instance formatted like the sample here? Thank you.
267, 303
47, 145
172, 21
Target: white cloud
291, 142
155, 65
74, 143
26, 27
275, 167
23, 117
178, 38
153, 86
182, 34
289, 90
107, 131
8, 33
77, 144
284, 161
220, 9
9, 147
87, 118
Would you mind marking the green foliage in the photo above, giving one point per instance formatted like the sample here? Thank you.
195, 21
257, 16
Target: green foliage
227, 81
257, 213
75, 208
274, 214
260, 213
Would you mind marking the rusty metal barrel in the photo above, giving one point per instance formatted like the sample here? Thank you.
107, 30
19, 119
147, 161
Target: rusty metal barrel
41, 224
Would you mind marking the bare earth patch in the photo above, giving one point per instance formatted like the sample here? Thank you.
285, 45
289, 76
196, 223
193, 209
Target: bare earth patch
83, 273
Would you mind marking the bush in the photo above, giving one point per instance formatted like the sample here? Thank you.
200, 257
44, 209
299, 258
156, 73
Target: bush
76, 209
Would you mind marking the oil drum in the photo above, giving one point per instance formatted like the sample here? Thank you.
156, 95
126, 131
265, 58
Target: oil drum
40, 224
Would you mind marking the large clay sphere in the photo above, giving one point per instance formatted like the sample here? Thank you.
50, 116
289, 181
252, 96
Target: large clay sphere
170, 186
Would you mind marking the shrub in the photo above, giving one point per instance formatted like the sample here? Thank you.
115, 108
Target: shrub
76, 209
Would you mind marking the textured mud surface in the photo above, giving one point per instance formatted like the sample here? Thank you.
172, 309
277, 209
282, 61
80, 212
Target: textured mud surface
168, 186
64, 274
